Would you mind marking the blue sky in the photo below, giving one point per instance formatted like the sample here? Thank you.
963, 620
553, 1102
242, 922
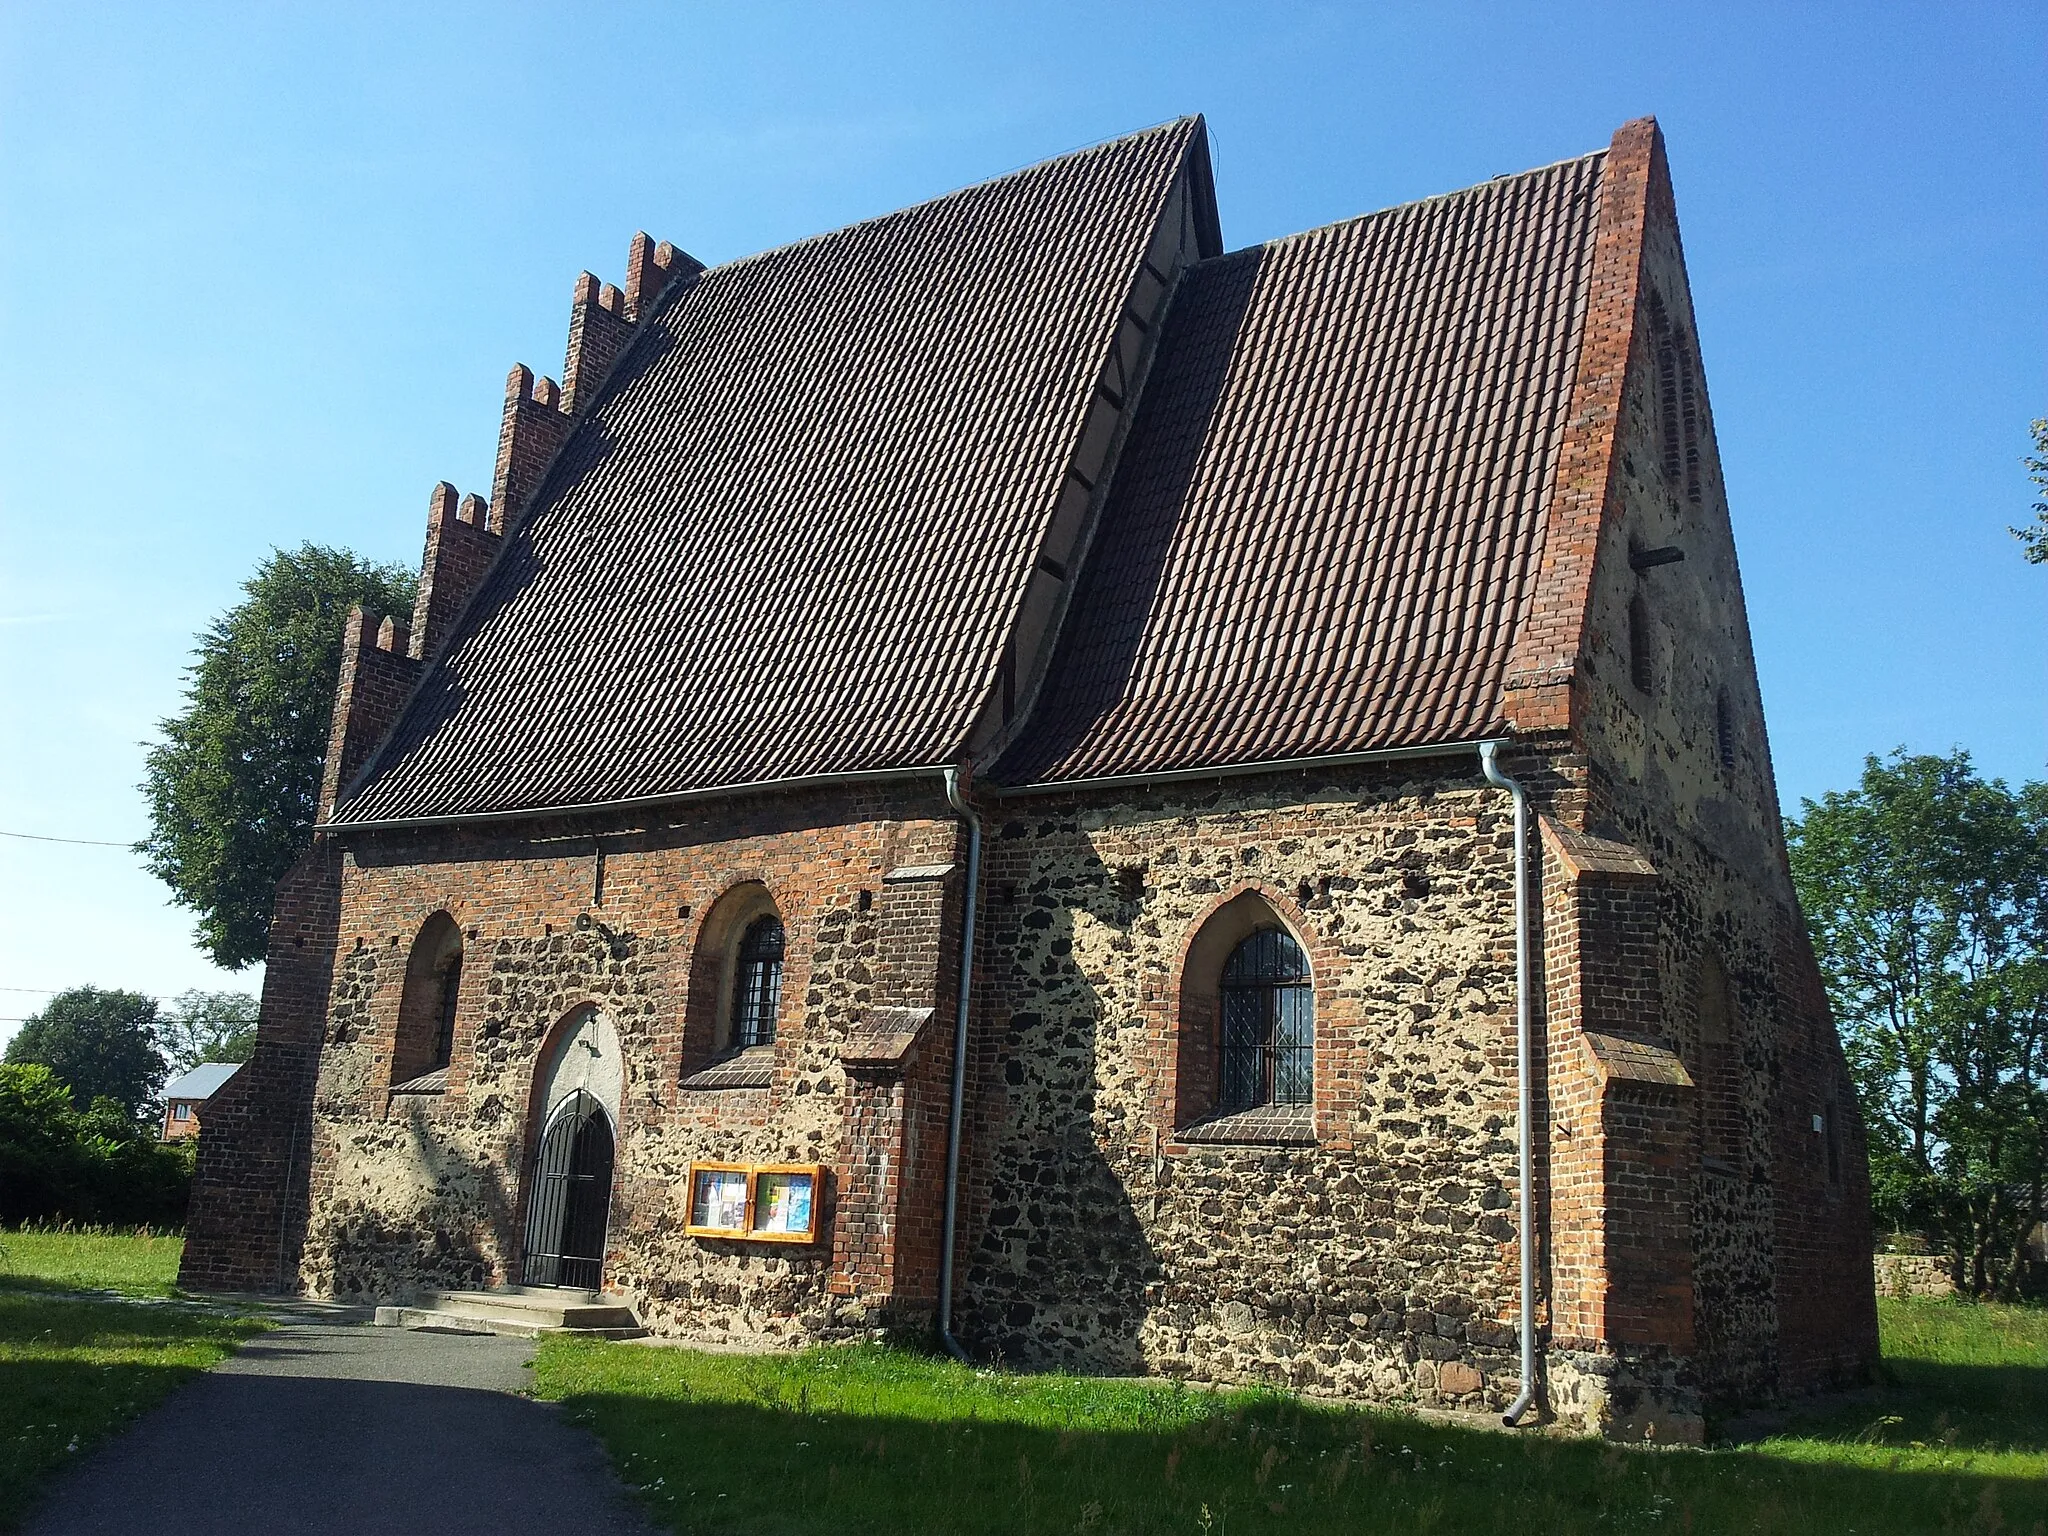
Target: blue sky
263, 270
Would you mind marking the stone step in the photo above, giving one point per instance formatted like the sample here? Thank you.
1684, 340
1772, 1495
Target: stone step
557, 1309
523, 1312
436, 1321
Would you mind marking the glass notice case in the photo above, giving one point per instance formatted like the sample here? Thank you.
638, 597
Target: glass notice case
761, 1202
785, 1204
718, 1199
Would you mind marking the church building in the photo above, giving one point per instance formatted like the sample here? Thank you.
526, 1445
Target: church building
1009, 774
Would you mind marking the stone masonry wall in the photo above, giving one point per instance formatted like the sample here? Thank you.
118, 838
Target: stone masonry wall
1381, 1260
419, 1190
1677, 765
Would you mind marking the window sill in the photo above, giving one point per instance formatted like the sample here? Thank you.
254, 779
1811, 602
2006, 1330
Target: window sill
750, 1068
435, 1081
1292, 1125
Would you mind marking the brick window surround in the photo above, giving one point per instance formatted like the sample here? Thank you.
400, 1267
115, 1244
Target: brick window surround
1198, 1046
430, 1003
710, 1014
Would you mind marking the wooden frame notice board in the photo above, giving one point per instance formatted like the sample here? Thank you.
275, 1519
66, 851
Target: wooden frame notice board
760, 1202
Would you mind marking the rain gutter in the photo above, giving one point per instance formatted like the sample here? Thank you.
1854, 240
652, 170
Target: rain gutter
1525, 1093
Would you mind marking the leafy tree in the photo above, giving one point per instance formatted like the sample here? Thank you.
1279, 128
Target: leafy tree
1926, 889
99, 1044
2035, 535
58, 1163
234, 784
209, 1026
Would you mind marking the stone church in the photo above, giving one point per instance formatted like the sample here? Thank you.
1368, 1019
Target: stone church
1009, 773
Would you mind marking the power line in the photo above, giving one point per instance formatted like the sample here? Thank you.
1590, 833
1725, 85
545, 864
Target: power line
162, 997
82, 842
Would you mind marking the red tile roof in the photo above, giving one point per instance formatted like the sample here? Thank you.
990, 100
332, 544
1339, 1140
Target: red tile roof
1326, 525
793, 535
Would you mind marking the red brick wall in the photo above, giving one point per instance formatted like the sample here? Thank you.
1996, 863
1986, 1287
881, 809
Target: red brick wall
246, 1222
419, 1190
461, 544
1827, 1305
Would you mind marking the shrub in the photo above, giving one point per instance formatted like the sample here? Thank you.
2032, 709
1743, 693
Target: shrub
60, 1163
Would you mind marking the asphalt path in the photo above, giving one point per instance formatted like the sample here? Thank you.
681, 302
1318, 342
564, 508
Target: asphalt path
329, 1425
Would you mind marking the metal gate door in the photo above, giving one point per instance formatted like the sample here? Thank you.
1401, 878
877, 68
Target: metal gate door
572, 1196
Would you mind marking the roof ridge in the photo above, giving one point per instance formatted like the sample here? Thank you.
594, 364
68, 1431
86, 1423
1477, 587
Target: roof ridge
1280, 241
1013, 174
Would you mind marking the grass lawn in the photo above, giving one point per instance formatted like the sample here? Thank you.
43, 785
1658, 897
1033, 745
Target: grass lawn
876, 1440
74, 1371
138, 1263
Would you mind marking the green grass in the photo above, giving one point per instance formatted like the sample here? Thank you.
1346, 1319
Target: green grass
1969, 1393
74, 1371
869, 1439
134, 1263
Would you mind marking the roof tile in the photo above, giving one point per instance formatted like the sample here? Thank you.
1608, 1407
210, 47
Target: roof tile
791, 536
1323, 531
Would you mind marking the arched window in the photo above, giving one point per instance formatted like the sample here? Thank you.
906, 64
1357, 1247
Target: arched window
757, 983
427, 1011
735, 992
1642, 667
1243, 1053
1269, 1009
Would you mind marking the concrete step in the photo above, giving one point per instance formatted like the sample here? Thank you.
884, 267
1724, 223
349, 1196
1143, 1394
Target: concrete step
559, 1309
521, 1312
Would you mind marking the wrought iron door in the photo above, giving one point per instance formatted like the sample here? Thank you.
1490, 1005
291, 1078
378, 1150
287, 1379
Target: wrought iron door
572, 1196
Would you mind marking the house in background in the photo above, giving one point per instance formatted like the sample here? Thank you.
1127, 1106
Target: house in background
1010, 772
187, 1095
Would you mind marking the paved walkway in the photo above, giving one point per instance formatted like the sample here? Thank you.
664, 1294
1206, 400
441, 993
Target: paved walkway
328, 1425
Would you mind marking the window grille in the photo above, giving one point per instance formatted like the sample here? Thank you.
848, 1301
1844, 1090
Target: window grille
1268, 1024
1724, 732
757, 983
444, 1029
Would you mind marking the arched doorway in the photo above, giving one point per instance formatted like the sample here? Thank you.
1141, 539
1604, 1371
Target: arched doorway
569, 1187
572, 1196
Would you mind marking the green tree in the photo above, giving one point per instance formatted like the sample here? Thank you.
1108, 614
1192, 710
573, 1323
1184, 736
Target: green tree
100, 1044
58, 1163
234, 784
1926, 890
2034, 536
208, 1026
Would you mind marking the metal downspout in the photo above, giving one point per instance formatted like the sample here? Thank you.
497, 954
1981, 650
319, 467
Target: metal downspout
1525, 1091
953, 1119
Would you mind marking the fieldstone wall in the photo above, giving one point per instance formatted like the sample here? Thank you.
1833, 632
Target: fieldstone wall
1379, 1260
422, 1189
1677, 765
1912, 1274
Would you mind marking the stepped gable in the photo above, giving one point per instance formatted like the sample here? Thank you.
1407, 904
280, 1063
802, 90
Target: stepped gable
1329, 517
791, 536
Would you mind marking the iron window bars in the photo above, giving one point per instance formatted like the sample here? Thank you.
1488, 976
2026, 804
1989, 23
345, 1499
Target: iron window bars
1269, 1009
444, 1028
757, 983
